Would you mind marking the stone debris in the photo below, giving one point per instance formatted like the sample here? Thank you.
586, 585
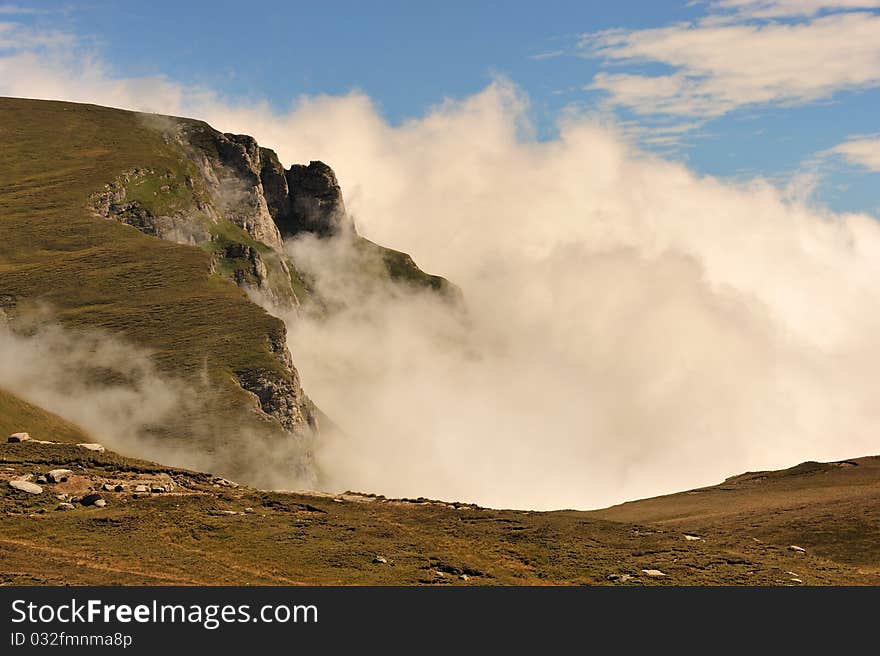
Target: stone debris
655, 573
380, 560
26, 486
797, 549
19, 437
92, 446
65, 506
58, 475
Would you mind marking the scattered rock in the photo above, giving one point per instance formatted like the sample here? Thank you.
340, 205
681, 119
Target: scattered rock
65, 506
623, 578
249, 510
91, 499
19, 437
26, 486
58, 475
380, 560
62, 497
42, 480
655, 573
93, 446
797, 549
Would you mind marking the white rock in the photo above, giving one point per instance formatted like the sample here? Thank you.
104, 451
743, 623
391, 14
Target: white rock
58, 475
656, 573
380, 560
100, 503
92, 446
797, 549
26, 486
19, 437
65, 506
690, 538
141, 488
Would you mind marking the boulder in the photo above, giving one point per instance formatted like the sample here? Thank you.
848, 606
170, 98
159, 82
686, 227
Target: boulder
100, 503
58, 475
64, 506
26, 486
91, 499
19, 437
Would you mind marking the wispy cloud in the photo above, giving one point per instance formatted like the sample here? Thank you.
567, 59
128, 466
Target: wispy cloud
10, 9
715, 67
791, 8
859, 150
550, 54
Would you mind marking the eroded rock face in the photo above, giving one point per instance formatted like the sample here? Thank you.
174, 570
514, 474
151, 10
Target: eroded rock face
316, 204
281, 396
231, 165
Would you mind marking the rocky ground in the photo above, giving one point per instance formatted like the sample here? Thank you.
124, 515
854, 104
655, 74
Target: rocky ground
78, 514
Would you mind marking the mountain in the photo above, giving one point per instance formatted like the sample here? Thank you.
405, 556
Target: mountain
154, 229
132, 250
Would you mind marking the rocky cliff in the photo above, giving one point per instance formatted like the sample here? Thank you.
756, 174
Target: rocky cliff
235, 199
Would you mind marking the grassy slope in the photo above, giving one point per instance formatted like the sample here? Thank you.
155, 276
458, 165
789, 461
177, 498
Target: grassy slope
17, 415
831, 509
190, 537
99, 273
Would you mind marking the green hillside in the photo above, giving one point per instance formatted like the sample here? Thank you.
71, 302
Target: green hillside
97, 273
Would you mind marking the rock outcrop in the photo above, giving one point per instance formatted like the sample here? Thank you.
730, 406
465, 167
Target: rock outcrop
316, 204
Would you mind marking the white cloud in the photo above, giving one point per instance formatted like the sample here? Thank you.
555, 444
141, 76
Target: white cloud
634, 328
862, 151
718, 67
790, 8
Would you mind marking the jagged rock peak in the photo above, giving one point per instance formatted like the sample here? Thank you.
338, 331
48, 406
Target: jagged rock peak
316, 203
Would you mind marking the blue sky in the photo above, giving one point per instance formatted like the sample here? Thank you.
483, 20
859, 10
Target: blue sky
409, 56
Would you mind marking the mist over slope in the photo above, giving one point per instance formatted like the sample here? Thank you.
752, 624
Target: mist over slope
631, 328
